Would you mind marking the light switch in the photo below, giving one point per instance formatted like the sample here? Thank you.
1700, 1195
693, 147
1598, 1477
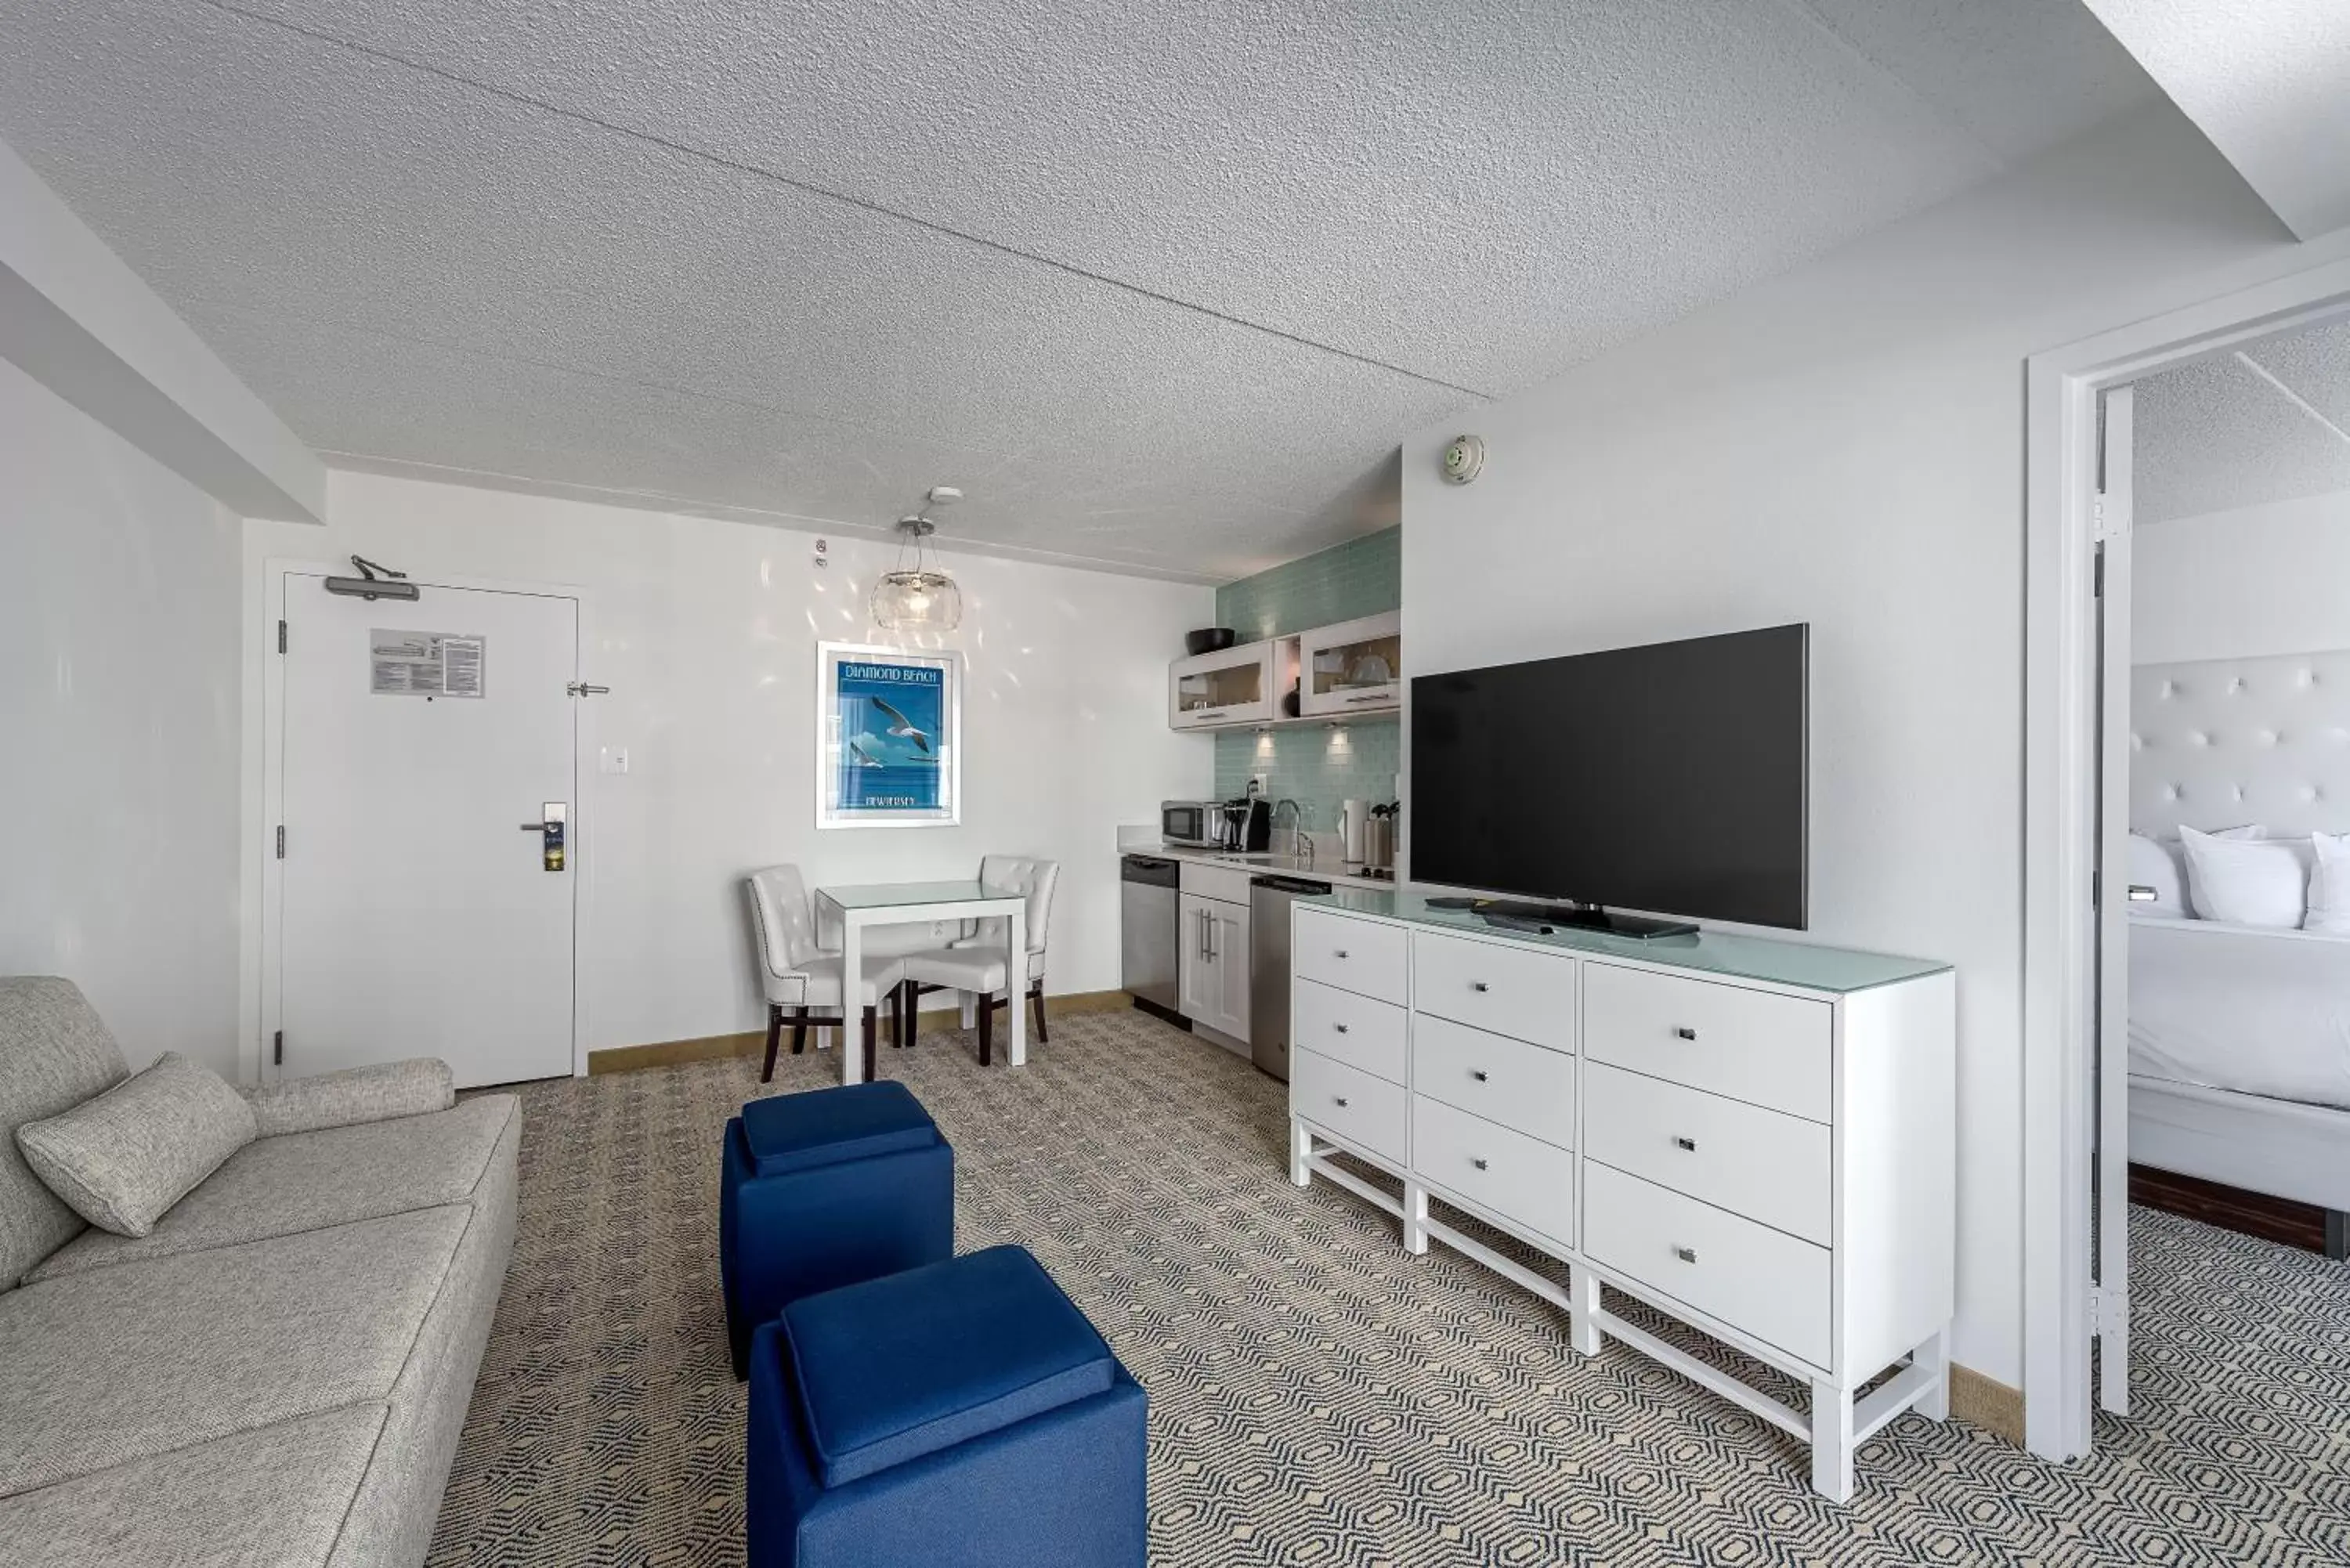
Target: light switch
613, 760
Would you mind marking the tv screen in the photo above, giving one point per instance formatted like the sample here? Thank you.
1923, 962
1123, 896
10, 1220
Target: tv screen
1668, 778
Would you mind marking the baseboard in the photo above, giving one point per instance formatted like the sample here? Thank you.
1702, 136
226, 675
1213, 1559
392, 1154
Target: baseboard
671, 1053
1988, 1403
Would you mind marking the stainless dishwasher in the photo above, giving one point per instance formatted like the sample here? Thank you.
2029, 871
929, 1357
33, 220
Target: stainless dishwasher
1269, 901
1148, 904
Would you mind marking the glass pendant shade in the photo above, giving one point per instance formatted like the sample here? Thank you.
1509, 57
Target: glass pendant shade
916, 595
917, 598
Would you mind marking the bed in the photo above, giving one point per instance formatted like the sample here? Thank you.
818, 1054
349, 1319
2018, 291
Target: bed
2240, 1037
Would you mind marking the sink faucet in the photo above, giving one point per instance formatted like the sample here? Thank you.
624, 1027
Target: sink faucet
1298, 838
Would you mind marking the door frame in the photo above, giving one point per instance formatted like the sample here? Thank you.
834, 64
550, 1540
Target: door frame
579, 833
2061, 783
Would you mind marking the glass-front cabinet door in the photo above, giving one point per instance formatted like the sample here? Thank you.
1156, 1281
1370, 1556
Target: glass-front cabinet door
1354, 667
1235, 686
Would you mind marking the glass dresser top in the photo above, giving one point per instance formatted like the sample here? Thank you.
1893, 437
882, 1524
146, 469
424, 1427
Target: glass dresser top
1803, 964
894, 895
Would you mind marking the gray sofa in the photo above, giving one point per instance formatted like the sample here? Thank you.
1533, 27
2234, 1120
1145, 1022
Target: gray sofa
278, 1373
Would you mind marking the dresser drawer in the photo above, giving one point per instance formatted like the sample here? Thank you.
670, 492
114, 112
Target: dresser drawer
1356, 1030
1756, 1280
1528, 1088
1765, 1165
1351, 1104
1520, 1179
1752, 1045
1228, 882
1360, 956
1508, 991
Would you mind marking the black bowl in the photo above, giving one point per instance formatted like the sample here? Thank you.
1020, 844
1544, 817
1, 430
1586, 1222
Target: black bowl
1212, 640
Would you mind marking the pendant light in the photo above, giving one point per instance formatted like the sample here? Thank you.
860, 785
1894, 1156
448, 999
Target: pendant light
917, 595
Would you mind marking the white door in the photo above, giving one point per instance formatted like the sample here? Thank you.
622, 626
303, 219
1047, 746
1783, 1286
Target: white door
418, 916
2110, 1276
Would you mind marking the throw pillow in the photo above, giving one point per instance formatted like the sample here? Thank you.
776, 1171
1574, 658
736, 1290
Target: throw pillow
2329, 885
2247, 882
122, 1158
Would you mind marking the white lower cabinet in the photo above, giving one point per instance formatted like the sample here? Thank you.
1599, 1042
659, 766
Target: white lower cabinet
1211, 968
1755, 1138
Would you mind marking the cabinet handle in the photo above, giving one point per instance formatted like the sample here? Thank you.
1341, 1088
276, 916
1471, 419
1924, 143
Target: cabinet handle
1478, 1163
1342, 953
1477, 1074
1479, 985
1685, 1033
1688, 1143
1339, 1027
1340, 1098
1685, 1255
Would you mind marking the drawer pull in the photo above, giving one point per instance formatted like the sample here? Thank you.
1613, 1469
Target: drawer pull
1339, 1027
1341, 1099
1685, 1033
1688, 1143
1685, 1255
1479, 985
1340, 952
1478, 1163
1477, 1074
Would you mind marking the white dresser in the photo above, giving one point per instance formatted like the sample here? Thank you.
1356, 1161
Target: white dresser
1753, 1137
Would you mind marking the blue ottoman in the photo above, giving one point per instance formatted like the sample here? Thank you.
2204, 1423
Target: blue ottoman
826, 1189
964, 1414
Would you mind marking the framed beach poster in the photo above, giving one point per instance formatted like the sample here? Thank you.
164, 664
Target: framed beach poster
889, 737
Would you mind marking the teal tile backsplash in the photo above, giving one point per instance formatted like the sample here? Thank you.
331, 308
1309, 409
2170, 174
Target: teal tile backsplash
1316, 766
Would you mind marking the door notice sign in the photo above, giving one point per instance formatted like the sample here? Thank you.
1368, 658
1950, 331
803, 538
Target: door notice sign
425, 664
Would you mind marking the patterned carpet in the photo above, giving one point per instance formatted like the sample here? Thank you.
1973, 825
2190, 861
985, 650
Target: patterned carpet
1317, 1397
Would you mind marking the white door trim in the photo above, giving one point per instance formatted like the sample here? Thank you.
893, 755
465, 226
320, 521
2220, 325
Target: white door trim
582, 828
2060, 783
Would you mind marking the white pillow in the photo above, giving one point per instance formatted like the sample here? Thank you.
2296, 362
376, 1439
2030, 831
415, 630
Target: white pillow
2329, 883
2247, 882
2161, 867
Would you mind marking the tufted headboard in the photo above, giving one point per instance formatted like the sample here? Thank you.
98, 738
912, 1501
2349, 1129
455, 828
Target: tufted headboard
2224, 742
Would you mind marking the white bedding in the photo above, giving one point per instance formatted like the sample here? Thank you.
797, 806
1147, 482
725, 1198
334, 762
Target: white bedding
2233, 1007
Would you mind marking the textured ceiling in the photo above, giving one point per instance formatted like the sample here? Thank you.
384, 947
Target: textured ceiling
1160, 287
2269, 422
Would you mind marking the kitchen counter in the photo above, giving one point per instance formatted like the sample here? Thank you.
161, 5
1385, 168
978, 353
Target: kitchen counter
1321, 870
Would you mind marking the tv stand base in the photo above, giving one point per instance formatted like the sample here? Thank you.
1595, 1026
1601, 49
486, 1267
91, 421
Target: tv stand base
1514, 916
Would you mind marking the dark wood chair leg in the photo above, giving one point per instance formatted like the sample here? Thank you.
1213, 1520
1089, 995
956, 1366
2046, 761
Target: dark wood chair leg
799, 1030
914, 994
872, 1027
898, 1016
774, 1035
986, 1030
1037, 1005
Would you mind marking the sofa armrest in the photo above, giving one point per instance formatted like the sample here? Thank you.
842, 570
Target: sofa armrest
375, 1093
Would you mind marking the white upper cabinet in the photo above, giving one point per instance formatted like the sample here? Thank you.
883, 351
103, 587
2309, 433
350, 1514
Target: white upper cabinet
1240, 685
1355, 667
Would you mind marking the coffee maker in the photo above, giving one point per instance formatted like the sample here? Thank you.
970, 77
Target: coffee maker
1244, 826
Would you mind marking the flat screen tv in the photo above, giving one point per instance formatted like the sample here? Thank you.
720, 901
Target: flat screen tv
1668, 778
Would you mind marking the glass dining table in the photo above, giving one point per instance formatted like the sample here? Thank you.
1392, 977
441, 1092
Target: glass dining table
912, 903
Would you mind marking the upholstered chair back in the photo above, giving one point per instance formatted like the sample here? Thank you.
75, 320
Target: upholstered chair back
53, 1054
1026, 874
780, 919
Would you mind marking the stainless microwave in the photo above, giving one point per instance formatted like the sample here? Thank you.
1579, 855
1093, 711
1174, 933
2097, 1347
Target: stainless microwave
1191, 823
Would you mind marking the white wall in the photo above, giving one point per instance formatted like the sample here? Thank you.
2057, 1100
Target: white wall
2242, 584
119, 714
1844, 445
706, 632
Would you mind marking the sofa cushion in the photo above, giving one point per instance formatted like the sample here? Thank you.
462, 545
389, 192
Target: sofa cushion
53, 1054
825, 1126
125, 1157
308, 1181
908, 1364
119, 1363
272, 1498
415, 1087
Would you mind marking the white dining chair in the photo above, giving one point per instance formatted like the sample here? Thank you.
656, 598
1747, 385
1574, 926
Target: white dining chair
978, 966
797, 974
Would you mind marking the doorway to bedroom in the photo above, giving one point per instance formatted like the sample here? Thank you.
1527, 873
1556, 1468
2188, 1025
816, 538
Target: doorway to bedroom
2223, 1093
